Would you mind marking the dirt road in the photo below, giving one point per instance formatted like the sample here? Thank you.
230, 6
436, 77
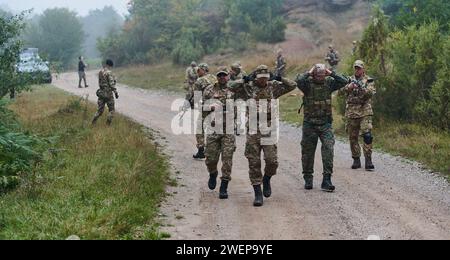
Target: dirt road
398, 201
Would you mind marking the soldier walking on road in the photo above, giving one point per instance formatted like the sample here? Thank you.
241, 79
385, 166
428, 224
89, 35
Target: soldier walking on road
262, 89
317, 86
280, 64
106, 92
359, 115
82, 72
219, 142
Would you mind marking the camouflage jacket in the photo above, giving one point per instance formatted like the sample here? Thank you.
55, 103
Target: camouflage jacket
217, 95
317, 100
191, 76
359, 100
238, 76
333, 58
107, 83
203, 82
273, 90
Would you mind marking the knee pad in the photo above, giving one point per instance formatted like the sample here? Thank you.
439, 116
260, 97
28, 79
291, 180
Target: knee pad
368, 138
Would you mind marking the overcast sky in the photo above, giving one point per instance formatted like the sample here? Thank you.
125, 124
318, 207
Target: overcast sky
82, 7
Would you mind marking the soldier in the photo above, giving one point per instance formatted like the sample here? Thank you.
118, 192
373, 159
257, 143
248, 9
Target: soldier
237, 73
81, 72
261, 87
317, 86
359, 115
281, 64
191, 78
219, 144
333, 58
107, 84
204, 79
354, 48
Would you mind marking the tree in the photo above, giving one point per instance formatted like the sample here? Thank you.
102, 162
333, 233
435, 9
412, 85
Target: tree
58, 34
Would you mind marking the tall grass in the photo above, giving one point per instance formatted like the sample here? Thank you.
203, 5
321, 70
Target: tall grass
95, 182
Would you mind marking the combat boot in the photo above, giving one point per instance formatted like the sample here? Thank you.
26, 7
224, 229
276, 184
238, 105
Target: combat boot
356, 163
223, 195
267, 189
369, 164
212, 183
309, 183
200, 154
259, 200
327, 185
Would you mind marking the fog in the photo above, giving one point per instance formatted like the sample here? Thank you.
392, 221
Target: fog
82, 7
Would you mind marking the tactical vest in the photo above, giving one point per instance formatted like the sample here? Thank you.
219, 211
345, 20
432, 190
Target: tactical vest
317, 103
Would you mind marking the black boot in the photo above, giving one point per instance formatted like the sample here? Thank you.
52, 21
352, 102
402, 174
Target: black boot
327, 185
356, 163
212, 183
267, 189
223, 190
259, 200
309, 183
200, 154
369, 164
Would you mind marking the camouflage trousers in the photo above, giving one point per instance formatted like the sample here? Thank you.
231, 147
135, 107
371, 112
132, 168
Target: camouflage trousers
357, 128
218, 145
253, 149
200, 132
101, 108
311, 135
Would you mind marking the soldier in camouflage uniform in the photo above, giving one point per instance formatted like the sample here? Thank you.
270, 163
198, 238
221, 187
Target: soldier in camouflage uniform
359, 115
317, 86
261, 86
333, 58
219, 144
106, 92
237, 73
280, 64
204, 80
191, 78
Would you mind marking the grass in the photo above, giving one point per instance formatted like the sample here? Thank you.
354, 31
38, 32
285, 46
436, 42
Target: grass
95, 182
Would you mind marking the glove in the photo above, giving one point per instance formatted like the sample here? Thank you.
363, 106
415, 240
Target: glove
117, 95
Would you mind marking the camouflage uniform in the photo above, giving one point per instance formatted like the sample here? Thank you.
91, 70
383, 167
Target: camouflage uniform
318, 120
281, 66
219, 144
359, 115
107, 84
333, 59
191, 78
253, 149
200, 85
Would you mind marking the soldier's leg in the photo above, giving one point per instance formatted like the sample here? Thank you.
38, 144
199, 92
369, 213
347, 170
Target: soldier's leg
328, 142
84, 79
112, 109
212, 159
271, 159
80, 78
228, 149
101, 108
200, 136
309, 145
253, 153
366, 129
353, 129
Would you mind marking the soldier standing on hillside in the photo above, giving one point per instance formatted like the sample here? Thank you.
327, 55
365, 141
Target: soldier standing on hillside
106, 92
204, 80
81, 72
261, 90
359, 115
280, 64
317, 86
237, 73
333, 58
191, 78
219, 142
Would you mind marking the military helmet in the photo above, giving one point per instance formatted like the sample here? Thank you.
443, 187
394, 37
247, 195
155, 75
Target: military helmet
262, 71
236, 66
331, 46
194, 64
204, 67
359, 64
223, 70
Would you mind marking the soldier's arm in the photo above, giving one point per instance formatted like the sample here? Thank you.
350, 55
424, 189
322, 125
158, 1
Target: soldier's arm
338, 82
303, 82
112, 82
285, 87
369, 91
